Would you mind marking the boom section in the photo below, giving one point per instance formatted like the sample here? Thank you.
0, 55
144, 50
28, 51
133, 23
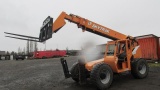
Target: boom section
87, 25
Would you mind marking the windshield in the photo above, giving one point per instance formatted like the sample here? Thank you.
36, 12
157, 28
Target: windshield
110, 49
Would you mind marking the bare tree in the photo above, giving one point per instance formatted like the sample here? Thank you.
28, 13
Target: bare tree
24, 51
67, 49
12, 53
19, 50
27, 48
7, 53
35, 46
31, 46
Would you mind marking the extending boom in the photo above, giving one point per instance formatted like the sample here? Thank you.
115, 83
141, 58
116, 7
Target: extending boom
87, 25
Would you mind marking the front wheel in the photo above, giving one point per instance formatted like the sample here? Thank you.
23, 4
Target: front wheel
75, 72
101, 76
140, 69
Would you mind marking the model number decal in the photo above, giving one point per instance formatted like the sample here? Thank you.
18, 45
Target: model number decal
98, 27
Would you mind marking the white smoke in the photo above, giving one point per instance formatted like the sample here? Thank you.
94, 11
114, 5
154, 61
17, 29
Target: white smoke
90, 52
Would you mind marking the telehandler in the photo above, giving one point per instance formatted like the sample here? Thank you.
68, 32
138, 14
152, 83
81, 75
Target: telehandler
123, 54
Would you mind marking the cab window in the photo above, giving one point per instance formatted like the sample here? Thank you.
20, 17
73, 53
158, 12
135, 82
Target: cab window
110, 49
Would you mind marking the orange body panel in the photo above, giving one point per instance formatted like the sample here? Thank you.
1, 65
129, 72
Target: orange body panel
89, 65
112, 62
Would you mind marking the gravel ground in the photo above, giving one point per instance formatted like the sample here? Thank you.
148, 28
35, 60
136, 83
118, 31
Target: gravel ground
47, 74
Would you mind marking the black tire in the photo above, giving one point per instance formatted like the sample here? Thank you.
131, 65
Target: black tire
101, 76
139, 69
75, 72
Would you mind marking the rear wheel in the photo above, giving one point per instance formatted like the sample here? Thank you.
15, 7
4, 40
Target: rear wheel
140, 69
75, 72
101, 76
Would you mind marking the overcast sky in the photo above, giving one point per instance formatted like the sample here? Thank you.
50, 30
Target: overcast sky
130, 17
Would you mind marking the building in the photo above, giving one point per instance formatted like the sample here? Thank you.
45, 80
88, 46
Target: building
2, 53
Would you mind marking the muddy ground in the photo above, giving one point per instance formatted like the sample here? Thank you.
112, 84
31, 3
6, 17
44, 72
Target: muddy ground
47, 74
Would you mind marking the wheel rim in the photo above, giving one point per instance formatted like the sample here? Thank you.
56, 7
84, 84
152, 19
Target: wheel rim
104, 76
142, 68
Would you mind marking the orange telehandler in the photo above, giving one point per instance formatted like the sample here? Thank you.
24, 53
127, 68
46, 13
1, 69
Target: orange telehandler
122, 54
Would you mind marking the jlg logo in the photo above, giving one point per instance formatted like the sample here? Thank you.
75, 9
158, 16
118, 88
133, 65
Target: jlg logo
98, 27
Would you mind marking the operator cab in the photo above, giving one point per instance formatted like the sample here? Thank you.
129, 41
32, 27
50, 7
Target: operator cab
118, 49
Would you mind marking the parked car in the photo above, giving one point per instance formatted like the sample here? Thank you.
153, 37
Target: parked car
22, 57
